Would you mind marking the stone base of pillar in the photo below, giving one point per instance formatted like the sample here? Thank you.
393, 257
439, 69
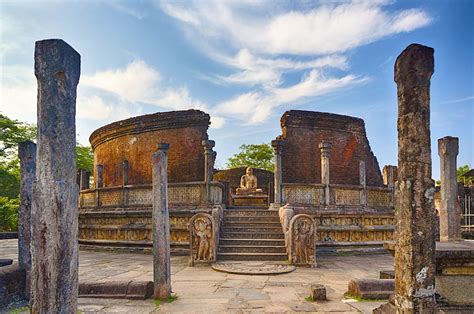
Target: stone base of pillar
275, 206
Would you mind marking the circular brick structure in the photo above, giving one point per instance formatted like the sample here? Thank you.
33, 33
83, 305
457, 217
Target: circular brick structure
135, 139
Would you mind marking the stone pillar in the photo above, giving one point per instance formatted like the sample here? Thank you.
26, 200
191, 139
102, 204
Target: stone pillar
325, 148
363, 183
27, 155
100, 171
208, 168
54, 216
83, 179
161, 225
125, 168
389, 179
277, 145
414, 209
449, 211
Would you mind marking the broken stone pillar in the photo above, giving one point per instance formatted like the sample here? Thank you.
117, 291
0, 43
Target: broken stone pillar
54, 216
414, 209
208, 168
389, 179
325, 148
125, 169
27, 155
449, 211
83, 179
362, 180
277, 145
99, 175
161, 225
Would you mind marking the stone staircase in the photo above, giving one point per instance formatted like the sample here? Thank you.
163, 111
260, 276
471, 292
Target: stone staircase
251, 234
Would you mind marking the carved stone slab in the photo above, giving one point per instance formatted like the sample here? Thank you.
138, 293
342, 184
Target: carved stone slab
302, 235
202, 239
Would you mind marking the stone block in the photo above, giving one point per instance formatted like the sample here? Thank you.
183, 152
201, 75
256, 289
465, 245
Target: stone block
134, 290
317, 292
371, 288
5, 262
12, 285
387, 274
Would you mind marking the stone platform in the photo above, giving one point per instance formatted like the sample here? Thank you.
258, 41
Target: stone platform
250, 200
253, 268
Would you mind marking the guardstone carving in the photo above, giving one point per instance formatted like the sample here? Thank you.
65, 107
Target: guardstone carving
302, 240
202, 238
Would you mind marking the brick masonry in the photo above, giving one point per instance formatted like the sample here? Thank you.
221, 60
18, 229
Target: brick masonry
302, 132
135, 140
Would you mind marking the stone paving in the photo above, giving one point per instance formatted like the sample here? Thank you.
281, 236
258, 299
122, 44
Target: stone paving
203, 290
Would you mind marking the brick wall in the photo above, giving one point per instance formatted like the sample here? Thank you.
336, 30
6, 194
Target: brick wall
301, 157
135, 140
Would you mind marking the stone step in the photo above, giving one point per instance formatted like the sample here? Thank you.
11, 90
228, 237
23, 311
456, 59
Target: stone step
260, 229
251, 257
251, 249
254, 242
250, 212
243, 207
252, 235
250, 224
251, 218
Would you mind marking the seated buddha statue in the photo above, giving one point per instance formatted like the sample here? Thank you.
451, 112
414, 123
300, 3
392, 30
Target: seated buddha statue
248, 183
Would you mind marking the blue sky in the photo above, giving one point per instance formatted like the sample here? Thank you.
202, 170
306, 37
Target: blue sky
246, 63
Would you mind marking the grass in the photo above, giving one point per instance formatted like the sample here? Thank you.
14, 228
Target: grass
169, 299
309, 299
20, 310
359, 299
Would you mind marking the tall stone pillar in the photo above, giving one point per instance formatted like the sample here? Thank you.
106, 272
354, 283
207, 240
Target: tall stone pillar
449, 211
363, 183
54, 216
83, 179
27, 155
325, 148
389, 179
414, 209
161, 225
99, 176
208, 168
125, 168
277, 145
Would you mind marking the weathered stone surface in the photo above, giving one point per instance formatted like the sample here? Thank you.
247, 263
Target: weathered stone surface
302, 235
202, 239
371, 288
390, 174
387, 274
303, 131
27, 155
317, 292
131, 289
449, 211
277, 145
134, 140
414, 210
161, 227
54, 216
208, 168
325, 148
12, 285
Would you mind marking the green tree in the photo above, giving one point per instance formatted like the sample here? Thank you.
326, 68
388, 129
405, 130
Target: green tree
84, 157
253, 155
459, 174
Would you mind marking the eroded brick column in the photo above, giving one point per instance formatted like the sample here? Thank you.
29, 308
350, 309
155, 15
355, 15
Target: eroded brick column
325, 148
54, 216
208, 168
414, 209
99, 176
27, 155
449, 211
277, 145
363, 183
161, 226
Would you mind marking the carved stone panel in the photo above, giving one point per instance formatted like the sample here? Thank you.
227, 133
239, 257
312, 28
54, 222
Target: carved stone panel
302, 240
202, 238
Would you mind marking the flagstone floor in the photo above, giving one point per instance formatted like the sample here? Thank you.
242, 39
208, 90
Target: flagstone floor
203, 290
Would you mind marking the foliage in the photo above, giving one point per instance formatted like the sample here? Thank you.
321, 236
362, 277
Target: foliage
9, 213
459, 174
253, 155
84, 158
13, 132
169, 299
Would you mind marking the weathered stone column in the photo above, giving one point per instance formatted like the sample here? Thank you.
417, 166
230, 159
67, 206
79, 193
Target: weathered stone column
414, 209
325, 148
363, 183
208, 168
54, 216
99, 176
389, 179
449, 211
27, 155
277, 145
125, 168
83, 179
161, 225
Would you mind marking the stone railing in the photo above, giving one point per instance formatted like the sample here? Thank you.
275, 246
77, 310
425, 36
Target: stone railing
179, 194
339, 195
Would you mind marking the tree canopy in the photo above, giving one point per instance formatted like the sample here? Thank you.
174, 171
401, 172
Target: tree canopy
253, 155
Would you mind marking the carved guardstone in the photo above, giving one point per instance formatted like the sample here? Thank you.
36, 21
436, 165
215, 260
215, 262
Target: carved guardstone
202, 239
302, 235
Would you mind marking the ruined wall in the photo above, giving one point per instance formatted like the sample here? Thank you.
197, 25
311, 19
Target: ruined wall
301, 157
135, 140
233, 176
